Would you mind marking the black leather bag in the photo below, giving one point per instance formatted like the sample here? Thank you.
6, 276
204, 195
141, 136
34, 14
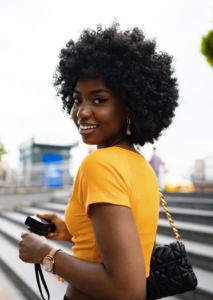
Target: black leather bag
170, 270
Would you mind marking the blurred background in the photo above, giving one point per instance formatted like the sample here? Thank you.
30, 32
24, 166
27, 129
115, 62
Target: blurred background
32, 34
40, 149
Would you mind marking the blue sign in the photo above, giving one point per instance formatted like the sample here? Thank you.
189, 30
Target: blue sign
53, 171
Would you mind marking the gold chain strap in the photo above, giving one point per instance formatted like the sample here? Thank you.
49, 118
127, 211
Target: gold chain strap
169, 217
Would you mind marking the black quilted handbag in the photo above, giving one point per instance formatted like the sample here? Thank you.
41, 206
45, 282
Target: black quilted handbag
170, 270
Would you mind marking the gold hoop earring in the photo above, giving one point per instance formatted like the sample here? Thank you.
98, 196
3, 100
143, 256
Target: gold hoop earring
128, 130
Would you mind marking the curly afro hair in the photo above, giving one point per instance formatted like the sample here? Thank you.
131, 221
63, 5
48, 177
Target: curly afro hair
130, 65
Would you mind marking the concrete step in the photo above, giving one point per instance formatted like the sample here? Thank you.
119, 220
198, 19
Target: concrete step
173, 201
20, 214
10, 221
10, 234
8, 290
189, 215
199, 254
32, 210
190, 231
27, 283
10, 237
195, 195
51, 206
200, 216
60, 200
190, 202
23, 275
204, 290
12, 231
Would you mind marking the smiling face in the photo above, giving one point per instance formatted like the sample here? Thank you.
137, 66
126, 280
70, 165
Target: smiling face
98, 114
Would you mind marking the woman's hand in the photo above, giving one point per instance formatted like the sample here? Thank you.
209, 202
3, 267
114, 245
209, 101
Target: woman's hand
61, 232
33, 248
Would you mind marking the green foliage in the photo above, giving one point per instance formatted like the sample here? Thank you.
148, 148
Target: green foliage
2, 150
207, 47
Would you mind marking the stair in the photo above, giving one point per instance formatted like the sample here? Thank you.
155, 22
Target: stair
190, 202
198, 216
23, 275
190, 231
193, 219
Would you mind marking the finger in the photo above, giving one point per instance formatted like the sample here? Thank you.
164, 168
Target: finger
23, 234
51, 235
46, 216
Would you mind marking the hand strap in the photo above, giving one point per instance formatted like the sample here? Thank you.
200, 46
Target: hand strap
38, 272
169, 217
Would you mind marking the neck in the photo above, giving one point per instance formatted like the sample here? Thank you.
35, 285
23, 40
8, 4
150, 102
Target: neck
121, 142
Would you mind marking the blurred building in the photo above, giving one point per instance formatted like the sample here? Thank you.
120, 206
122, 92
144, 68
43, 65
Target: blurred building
208, 162
204, 169
203, 175
199, 173
44, 164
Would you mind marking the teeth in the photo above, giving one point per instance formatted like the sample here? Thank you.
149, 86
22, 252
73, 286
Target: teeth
88, 127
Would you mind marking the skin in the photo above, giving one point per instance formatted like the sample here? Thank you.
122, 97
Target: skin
122, 273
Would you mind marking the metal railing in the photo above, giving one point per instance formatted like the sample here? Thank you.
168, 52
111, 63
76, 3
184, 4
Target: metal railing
53, 174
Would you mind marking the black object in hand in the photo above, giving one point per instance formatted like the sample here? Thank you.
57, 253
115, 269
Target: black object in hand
39, 226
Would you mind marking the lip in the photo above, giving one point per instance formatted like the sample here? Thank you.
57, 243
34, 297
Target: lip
86, 131
86, 124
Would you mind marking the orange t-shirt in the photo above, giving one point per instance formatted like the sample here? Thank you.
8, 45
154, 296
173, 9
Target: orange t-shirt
117, 176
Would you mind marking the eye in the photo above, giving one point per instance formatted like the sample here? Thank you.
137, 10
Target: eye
76, 100
99, 100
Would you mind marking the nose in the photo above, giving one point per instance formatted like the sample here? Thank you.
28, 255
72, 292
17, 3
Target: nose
84, 110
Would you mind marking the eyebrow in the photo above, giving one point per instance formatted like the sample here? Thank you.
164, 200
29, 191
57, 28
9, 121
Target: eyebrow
92, 92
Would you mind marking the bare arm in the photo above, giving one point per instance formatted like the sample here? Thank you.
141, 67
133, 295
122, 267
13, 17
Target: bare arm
122, 274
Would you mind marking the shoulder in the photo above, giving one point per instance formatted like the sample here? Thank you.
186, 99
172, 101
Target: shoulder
103, 157
104, 176
108, 164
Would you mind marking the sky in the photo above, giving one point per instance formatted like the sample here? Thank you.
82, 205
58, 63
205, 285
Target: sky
32, 34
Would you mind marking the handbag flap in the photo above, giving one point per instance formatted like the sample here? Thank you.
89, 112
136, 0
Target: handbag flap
166, 255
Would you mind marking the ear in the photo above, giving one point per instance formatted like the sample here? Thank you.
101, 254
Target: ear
128, 114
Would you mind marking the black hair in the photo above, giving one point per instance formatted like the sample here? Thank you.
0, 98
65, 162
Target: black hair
141, 77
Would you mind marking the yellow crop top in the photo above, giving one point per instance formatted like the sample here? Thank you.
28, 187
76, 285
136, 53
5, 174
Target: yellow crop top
117, 176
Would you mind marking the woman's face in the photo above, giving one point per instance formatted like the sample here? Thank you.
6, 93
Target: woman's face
98, 114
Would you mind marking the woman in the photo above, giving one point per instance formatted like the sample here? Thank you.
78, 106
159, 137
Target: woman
120, 92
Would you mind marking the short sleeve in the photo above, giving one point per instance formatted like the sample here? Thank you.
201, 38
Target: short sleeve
104, 179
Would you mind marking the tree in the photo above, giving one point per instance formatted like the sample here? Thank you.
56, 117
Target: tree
207, 47
2, 150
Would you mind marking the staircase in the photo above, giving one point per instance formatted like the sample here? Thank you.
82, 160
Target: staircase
23, 275
193, 218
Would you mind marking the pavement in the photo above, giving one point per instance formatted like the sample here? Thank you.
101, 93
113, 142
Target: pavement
8, 290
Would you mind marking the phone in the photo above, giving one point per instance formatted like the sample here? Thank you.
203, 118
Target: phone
39, 226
